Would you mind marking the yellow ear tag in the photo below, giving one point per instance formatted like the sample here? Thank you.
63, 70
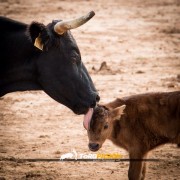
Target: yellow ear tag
38, 43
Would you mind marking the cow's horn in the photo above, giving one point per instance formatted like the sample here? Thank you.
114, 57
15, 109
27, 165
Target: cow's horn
63, 26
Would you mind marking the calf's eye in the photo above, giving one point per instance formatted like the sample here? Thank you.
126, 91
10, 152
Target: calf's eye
105, 126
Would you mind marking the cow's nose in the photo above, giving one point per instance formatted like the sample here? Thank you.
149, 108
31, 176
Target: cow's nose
93, 146
96, 99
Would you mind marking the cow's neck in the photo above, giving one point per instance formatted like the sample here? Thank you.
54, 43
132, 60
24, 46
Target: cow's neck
18, 69
20, 78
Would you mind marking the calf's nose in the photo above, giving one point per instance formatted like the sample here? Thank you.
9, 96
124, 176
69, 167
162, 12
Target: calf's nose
93, 146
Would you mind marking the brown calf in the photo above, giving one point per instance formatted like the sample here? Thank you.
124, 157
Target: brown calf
138, 124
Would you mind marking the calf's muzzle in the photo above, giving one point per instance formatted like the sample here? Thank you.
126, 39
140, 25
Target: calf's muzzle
94, 146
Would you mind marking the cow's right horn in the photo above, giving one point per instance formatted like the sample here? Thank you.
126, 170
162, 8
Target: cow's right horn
63, 26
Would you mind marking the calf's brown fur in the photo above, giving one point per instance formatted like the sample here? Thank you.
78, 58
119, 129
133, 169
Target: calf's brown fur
138, 124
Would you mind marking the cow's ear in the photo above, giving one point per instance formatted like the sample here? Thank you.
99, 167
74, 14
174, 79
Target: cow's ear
117, 112
38, 34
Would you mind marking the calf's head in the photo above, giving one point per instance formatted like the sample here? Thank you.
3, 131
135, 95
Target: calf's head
61, 72
100, 126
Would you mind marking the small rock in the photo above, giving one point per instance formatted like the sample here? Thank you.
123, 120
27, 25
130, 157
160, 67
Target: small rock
93, 68
170, 85
32, 165
140, 72
3, 151
154, 168
57, 152
178, 77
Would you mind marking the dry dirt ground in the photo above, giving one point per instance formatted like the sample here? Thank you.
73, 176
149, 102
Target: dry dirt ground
140, 42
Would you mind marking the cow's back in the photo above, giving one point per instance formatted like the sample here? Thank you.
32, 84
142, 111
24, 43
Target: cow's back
15, 46
8, 25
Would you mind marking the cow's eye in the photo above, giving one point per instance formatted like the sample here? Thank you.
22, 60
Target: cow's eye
106, 126
75, 59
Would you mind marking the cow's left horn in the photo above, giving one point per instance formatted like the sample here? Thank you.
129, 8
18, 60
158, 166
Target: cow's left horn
63, 26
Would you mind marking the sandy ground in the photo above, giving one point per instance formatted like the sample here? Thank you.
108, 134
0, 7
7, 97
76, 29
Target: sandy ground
140, 43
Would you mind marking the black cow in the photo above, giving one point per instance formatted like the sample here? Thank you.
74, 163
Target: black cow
54, 67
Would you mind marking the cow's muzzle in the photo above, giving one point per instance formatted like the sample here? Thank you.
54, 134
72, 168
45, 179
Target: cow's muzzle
83, 108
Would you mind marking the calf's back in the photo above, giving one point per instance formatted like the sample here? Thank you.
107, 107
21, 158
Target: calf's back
152, 119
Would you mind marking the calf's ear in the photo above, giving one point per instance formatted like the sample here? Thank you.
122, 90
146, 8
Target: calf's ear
38, 33
117, 112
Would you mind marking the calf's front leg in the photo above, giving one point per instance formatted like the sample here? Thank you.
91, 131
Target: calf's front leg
135, 167
144, 168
